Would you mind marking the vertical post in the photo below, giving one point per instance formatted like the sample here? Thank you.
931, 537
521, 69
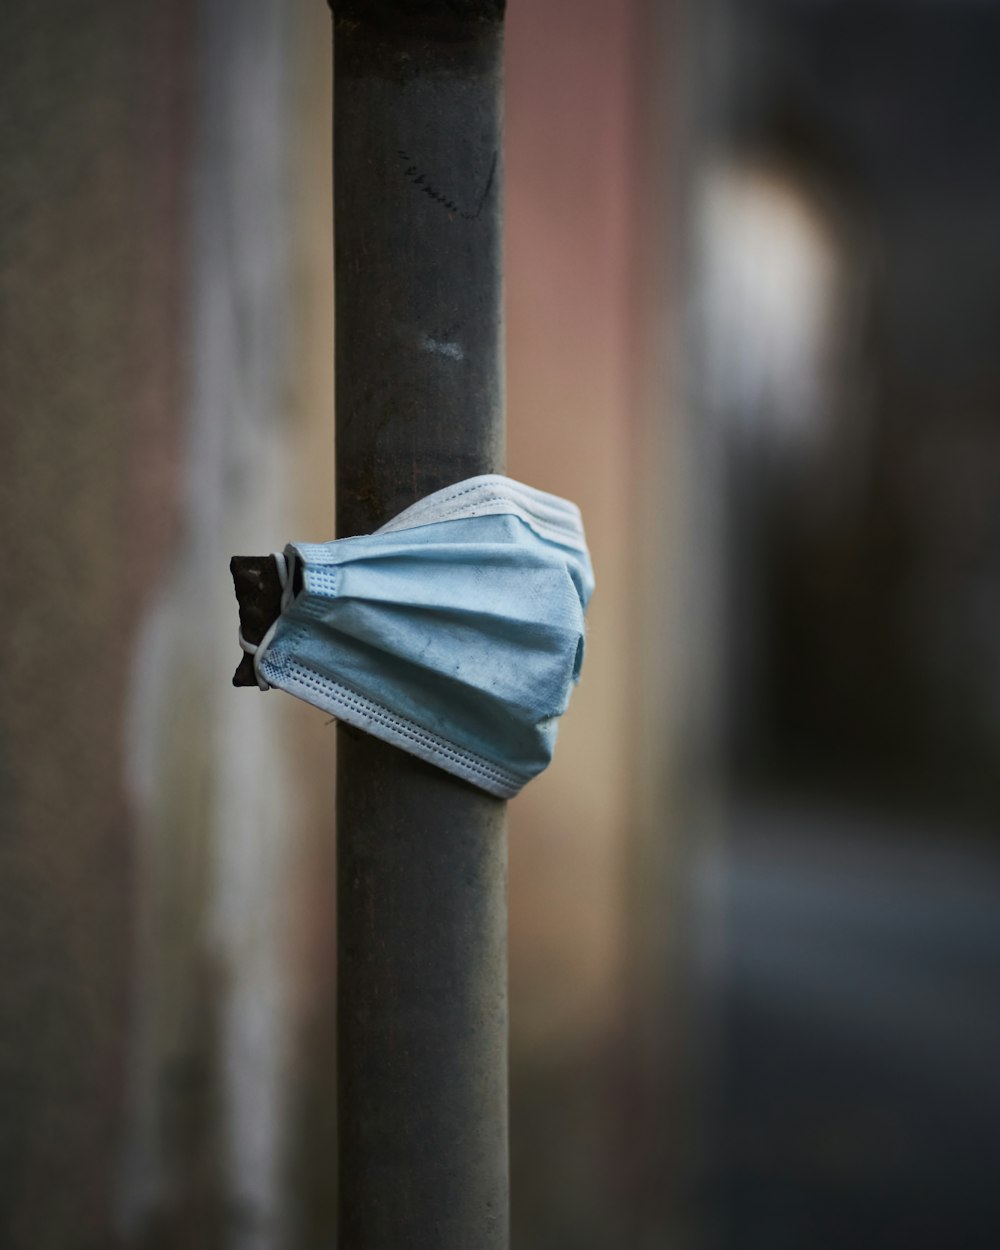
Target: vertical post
422, 1033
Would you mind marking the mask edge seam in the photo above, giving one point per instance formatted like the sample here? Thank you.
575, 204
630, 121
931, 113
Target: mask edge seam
474, 762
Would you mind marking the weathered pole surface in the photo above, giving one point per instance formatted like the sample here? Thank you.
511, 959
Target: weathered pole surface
421, 896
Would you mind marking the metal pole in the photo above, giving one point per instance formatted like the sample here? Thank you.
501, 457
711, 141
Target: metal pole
421, 896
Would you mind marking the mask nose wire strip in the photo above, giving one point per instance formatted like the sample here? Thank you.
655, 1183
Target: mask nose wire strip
259, 650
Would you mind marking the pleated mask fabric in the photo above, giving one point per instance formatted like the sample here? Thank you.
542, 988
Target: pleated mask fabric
455, 632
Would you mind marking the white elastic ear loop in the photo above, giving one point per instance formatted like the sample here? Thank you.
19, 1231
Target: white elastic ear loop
258, 650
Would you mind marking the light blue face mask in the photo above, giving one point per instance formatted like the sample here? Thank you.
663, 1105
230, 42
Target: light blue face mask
454, 632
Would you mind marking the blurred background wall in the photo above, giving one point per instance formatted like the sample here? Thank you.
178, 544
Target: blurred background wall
168, 847
753, 297
166, 885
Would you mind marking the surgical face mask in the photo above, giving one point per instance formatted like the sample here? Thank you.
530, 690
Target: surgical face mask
455, 632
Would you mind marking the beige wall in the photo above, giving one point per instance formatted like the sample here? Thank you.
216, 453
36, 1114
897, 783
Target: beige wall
166, 870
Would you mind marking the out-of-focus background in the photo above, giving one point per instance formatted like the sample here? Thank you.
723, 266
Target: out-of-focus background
753, 328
